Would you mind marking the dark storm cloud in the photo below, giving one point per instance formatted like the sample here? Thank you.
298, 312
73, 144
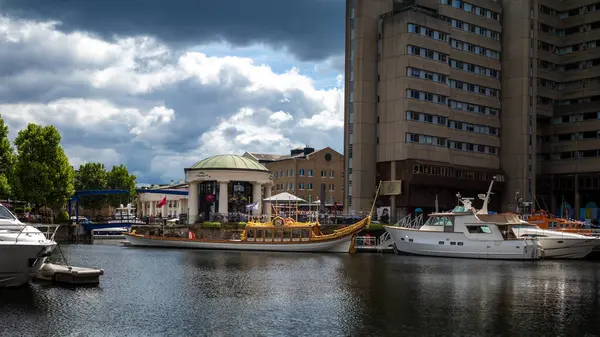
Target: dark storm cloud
310, 29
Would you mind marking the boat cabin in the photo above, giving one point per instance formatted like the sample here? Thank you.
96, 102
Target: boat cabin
474, 225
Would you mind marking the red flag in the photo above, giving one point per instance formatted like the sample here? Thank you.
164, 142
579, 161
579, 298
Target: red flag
162, 202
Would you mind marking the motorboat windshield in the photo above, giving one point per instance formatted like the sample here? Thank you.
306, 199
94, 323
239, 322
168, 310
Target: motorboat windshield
6, 214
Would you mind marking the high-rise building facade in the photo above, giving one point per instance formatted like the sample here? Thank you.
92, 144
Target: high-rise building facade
442, 95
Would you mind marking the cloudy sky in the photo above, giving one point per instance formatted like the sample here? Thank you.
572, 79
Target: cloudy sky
157, 85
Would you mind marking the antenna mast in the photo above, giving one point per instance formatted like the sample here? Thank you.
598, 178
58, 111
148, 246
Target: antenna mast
486, 199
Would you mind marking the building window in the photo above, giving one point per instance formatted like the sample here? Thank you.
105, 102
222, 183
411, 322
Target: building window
425, 139
331, 174
309, 186
310, 173
474, 49
331, 187
426, 96
301, 186
426, 75
426, 118
301, 172
424, 31
323, 174
426, 53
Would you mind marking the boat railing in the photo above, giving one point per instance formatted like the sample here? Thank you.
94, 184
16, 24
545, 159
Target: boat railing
410, 222
301, 216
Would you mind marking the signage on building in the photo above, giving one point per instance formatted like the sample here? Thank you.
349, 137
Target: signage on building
201, 175
210, 197
402, 4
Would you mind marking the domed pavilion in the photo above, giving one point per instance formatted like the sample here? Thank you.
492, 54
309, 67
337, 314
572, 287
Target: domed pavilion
226, 183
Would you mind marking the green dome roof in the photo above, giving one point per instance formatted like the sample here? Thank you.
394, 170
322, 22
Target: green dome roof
228, 162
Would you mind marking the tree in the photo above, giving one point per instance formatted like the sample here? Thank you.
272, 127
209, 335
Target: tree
6, 161
91, 176
120, 179
42, 169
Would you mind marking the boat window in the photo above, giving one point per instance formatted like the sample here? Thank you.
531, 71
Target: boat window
250, 234
441, 242
452, 243
460, 243
278, 234
441, 221
533, 236
5, 213
259, 233
479, 229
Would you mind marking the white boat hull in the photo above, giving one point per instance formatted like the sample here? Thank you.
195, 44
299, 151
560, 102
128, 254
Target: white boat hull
568, 249
340, 245
561, 245
427, 243
20, 262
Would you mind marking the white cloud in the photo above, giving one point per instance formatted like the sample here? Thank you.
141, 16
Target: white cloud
157, 110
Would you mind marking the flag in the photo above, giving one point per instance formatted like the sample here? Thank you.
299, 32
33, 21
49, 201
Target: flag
162, 202
253, 206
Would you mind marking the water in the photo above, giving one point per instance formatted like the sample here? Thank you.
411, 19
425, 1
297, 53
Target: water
153, 292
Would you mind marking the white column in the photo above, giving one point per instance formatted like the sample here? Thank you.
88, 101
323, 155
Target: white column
152, 210
192, 202
179, 206
223, 198
257, 196
268, 208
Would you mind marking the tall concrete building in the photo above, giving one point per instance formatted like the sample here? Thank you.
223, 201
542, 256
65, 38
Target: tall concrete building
442, 95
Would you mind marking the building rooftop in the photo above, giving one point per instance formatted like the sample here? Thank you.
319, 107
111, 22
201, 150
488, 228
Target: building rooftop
294, 153
228, 162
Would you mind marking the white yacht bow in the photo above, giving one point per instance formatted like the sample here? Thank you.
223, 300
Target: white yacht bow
23, 250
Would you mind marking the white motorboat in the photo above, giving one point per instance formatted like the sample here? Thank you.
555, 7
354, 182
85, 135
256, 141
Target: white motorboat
467, 233
558, 245
126, 215
23, 250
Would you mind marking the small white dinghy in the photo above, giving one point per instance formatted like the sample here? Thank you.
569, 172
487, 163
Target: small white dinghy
69, 275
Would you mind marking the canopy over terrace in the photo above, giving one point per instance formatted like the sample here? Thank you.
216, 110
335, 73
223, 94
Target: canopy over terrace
284, 197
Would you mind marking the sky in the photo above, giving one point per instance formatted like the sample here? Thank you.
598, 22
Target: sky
159, 85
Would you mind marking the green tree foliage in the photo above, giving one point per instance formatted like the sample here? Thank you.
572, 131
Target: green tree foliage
91, 176
6, 161
42, 169
119, 178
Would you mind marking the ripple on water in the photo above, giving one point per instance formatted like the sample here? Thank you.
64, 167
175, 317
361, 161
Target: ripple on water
154, 292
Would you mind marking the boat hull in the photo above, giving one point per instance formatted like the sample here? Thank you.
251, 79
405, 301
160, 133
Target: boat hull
559, 248
427, 243
559, 245
338, 245
20, 262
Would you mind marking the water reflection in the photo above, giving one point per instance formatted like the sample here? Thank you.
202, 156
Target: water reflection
153, 292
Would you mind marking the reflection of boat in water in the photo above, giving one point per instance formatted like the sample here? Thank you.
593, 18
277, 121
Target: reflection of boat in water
277, 235
467, 233
23, 250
